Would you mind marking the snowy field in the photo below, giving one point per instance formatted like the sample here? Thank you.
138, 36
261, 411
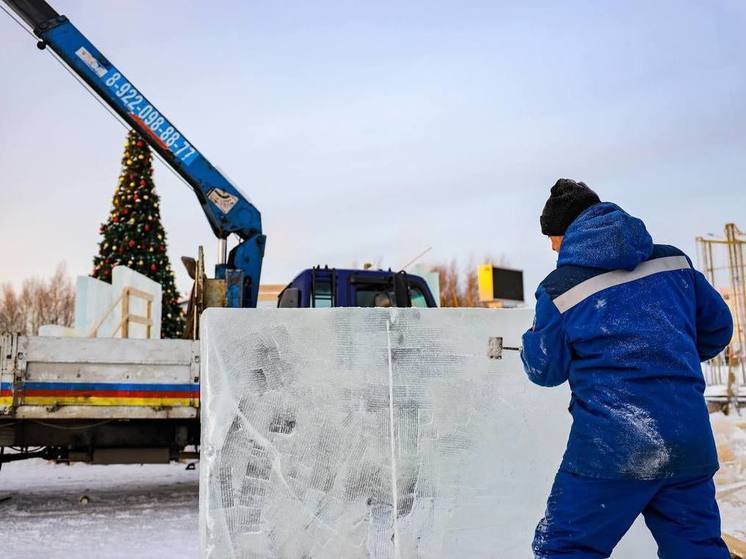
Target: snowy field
152, 511
134, 511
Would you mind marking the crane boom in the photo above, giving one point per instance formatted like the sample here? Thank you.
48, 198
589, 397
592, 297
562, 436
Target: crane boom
226, 208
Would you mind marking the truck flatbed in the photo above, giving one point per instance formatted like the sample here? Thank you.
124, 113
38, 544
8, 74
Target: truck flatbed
97, 395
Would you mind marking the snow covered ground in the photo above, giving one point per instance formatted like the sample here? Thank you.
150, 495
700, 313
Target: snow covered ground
730, 436
134, 511
152, 511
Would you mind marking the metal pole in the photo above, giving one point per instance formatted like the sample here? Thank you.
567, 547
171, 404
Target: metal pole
741, 295
222, 251
736, 279
710, 270
713, 368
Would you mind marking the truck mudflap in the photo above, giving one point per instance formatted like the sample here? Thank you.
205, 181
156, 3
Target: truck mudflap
79, 378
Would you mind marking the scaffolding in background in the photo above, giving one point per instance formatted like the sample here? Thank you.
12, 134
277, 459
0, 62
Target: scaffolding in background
722, 262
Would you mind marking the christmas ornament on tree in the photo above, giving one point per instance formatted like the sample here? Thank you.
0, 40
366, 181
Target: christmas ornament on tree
131, 232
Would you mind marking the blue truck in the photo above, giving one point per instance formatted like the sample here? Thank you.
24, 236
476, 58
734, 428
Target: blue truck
328, 287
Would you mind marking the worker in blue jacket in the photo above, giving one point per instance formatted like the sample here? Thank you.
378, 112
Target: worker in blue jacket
627, 323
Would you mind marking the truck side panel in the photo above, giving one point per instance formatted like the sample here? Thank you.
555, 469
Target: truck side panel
76, 378
7, 370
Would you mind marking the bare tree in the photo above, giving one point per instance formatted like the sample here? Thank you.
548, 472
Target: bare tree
39, 302
471, 289
460, 287
60, 298
449, 288
11, 314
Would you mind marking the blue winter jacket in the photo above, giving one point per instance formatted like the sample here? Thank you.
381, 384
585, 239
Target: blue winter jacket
628, 322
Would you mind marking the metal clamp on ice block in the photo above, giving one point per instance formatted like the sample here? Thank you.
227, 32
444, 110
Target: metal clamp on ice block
496, 348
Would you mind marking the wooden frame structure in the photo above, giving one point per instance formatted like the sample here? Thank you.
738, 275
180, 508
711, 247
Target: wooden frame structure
126, 316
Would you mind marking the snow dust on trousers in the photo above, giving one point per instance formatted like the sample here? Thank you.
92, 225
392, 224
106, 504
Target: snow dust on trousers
627, 323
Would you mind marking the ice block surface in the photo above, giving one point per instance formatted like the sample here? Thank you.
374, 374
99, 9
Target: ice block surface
383, 433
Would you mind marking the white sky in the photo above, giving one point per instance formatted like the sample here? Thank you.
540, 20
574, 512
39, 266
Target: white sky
370, 131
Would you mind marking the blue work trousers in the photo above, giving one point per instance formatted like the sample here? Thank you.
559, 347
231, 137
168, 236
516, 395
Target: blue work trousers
586, 517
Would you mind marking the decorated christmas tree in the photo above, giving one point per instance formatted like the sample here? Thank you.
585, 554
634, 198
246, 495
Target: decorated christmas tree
133, 235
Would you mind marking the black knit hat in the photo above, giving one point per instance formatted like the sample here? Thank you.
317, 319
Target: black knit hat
567, 201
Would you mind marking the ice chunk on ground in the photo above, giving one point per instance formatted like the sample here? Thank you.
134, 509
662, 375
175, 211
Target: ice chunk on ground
385, 433
730, 437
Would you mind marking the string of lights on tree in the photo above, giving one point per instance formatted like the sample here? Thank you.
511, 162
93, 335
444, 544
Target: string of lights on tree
133, 235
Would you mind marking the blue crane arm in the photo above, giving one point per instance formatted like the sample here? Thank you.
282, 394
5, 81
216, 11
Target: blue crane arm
227, 209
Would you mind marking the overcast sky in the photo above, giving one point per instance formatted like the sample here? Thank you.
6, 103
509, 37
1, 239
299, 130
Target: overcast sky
369, 131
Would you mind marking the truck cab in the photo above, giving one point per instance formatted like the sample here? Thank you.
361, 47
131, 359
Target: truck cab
340, 287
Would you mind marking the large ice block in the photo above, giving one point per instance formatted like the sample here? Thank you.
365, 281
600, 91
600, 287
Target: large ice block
92, 299
383, 433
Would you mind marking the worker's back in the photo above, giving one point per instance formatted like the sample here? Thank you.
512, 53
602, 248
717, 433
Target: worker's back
635, 320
